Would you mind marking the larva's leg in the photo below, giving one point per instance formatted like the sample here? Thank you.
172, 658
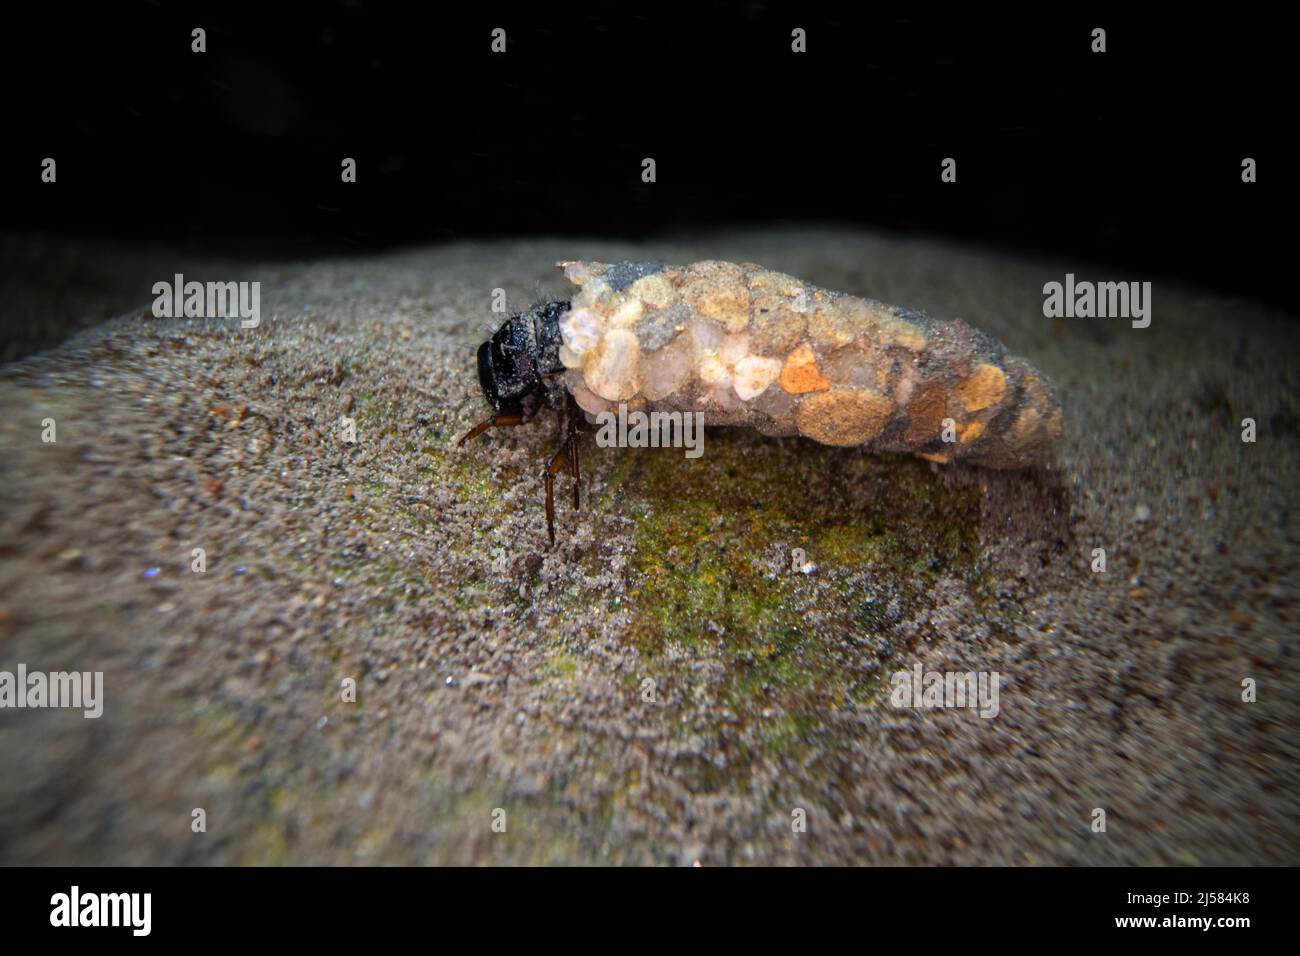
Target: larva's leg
496, 421
573, 467
552, 470
573, 422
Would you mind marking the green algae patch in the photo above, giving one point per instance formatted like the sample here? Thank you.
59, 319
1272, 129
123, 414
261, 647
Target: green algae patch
714, 537
562, 664
792, 656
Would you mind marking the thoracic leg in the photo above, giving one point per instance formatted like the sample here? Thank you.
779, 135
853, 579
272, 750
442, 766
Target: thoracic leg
557, 462
568, 451
496, 421
577, 472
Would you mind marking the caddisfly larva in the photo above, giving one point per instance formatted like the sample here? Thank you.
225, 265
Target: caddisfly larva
747, 346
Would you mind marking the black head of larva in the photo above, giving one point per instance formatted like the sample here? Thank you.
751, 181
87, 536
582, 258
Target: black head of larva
518, 370
514, 364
